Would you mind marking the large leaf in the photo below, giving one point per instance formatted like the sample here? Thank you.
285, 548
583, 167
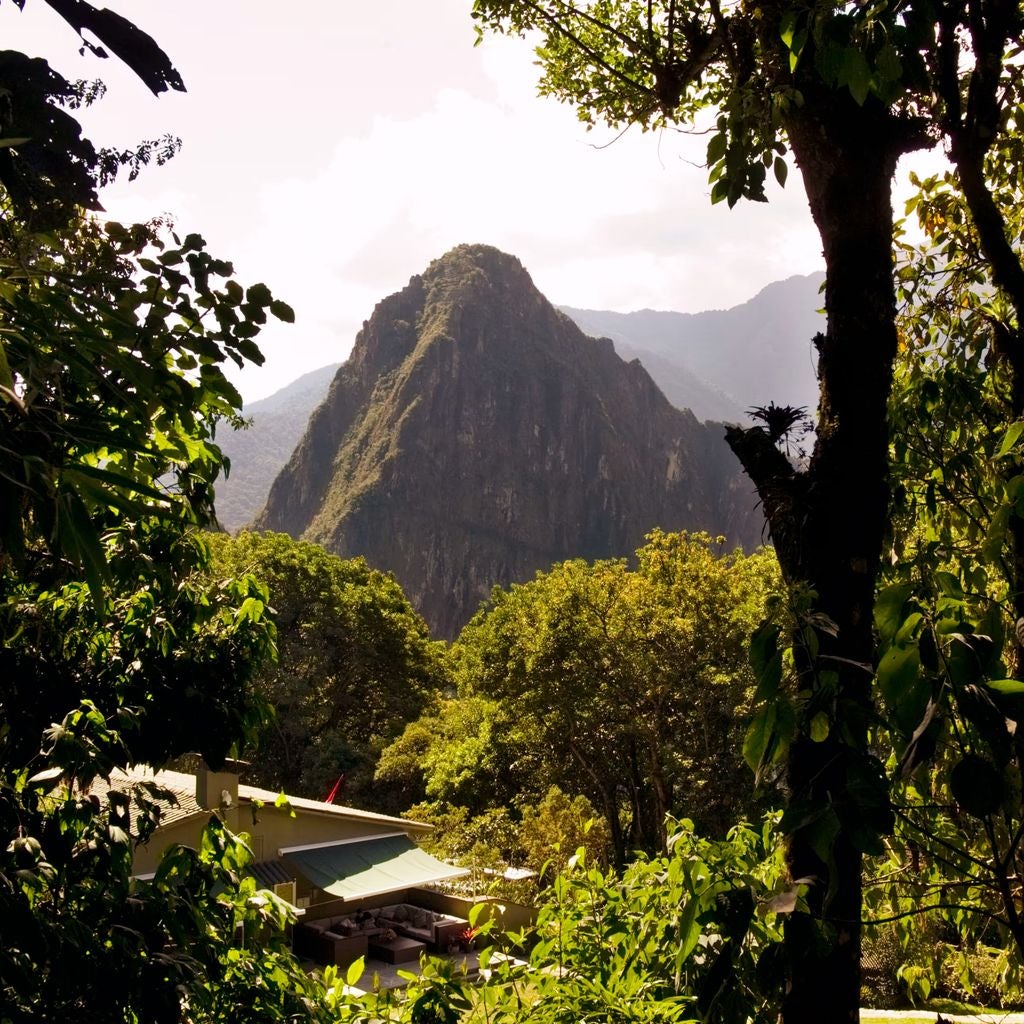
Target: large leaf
1010, 687
137, 49
898, 671
889, 609
1010, 438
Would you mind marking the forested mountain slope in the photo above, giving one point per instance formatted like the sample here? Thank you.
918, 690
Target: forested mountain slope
476, 435
750, 355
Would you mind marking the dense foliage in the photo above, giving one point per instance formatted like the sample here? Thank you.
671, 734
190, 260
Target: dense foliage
354, 665
624, 685
849, 89
949, 619
116, 646
676, 937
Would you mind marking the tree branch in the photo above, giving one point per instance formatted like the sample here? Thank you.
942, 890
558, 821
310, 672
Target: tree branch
778, 486
935, 906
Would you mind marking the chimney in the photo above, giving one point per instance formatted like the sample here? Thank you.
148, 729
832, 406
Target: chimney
218, 791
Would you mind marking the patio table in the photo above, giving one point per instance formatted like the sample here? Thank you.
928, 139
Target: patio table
398, 951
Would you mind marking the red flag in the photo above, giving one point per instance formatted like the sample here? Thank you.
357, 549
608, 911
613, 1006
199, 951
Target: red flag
335, 789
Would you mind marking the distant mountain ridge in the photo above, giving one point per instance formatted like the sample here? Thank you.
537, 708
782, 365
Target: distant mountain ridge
258, 452
720, 363
476, 435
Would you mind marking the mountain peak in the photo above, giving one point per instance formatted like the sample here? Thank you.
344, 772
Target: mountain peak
458, 261
476, 435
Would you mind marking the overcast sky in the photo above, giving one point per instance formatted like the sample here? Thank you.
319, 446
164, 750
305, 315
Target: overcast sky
332, 148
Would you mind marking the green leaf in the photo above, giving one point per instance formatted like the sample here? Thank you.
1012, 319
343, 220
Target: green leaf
355, 971
819, 727
689, 930
787, 27
114, 481
1015, 492
759, 738
949, 585
282, 311
770, 679
889, 609
995, 537
766, 660
1007, 686
716, 148
6, 377
781, 169
76, 535
763, 647
897, 672
259, 294
908, 628
799, 40
1010, 438
855, 73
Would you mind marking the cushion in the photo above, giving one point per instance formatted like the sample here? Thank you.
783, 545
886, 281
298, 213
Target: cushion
399, 914
320, 926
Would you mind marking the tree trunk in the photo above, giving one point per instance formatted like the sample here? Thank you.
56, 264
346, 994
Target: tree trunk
604, 792
661, 794
828, 523
650, 803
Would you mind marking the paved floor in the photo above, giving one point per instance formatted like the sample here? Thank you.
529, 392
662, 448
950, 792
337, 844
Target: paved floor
379, 975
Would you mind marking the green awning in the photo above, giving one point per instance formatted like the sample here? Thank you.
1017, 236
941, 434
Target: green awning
357, 868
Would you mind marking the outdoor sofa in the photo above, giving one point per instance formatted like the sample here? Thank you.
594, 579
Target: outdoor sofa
340, 940
437, 930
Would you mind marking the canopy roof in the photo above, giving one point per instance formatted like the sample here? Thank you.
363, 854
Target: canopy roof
373, 866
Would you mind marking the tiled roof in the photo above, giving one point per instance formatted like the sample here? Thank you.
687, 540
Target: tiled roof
268, 796
183, 786
182, 804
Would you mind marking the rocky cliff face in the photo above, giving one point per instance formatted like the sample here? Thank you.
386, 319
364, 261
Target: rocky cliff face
476, 435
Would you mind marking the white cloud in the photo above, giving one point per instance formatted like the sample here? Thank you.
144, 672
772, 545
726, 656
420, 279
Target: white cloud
333, 151
625, 226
